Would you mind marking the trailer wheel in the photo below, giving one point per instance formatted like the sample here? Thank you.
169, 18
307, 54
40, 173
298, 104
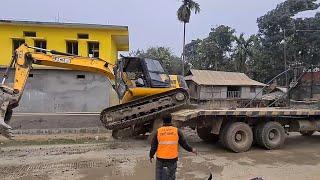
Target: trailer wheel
256, 132
270, 135
237, 137
205, 134
222, 134
307, 133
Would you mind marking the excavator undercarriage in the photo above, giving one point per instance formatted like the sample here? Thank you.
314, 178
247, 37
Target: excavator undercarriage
136, 114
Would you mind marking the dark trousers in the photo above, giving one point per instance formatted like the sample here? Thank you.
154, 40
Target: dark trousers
166, 170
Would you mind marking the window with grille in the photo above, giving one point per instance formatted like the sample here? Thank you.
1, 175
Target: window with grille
93, 49
72, 47
252, 89
40, 44
17, 43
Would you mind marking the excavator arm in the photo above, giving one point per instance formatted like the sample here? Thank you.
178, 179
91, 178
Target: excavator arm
145, 89
22, 61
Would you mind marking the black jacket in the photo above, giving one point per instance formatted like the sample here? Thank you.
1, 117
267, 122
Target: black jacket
182, 142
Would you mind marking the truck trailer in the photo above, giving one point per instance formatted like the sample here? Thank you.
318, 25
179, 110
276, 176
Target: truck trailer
238, 129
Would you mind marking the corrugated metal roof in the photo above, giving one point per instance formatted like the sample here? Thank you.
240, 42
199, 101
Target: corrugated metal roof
273, 96
58, 24
221, 78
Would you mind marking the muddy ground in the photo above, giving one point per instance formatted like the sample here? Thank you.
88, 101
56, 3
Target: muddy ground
98, 156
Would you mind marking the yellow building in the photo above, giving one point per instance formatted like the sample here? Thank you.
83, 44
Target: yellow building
93, 40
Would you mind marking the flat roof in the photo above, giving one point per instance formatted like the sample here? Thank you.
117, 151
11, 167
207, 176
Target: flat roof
59, 24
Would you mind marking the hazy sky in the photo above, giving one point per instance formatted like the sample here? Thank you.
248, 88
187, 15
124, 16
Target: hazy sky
151, 22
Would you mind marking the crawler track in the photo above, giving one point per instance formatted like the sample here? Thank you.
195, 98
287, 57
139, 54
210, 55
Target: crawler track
144, 110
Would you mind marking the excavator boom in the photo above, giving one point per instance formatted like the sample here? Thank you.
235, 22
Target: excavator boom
22, 61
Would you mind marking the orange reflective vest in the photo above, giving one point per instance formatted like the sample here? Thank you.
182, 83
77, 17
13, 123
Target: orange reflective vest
167, 142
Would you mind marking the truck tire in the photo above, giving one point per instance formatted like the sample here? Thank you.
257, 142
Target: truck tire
205, 134
256, 128
270, 135
222, 134
238, 137
307, 133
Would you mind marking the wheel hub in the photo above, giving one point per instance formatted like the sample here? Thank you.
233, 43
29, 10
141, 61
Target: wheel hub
271, 135
238, 137
180, 96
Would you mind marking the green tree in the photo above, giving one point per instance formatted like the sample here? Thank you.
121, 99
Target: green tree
259, 66
212, 52
242, 53
164, 54
184, 14
280, 41
306, 41
193, 53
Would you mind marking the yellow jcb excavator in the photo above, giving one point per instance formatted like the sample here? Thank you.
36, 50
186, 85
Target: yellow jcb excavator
145, 89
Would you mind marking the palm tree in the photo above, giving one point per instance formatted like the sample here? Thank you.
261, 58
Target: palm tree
243, 52
184, 13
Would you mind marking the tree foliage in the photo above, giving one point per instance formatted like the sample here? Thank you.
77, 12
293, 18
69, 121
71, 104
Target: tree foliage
212, 52
183, 14
242, 52
184, 11
171, 62
281, 37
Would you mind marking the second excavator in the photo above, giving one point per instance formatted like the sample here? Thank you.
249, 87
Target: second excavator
144, 88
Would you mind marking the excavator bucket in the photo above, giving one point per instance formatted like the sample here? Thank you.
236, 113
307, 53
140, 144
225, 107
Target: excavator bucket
5, 116
5, 129
8, 98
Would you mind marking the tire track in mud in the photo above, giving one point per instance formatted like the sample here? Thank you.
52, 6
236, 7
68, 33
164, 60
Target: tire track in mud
12, 172
67, 150
16, 170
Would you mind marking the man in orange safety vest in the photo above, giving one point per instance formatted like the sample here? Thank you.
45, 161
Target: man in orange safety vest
165, 144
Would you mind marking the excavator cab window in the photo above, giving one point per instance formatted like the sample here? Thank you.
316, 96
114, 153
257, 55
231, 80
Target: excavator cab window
140, 72
156, 73
133, 72
120, 85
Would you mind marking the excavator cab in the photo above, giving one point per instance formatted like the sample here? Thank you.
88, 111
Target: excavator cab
146, 92
139, 73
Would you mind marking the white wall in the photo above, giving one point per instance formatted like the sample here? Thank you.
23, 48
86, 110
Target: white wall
213, 92
246, 94
54, 90
219, 92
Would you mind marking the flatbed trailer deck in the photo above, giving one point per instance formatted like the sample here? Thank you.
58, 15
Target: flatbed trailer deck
237, 129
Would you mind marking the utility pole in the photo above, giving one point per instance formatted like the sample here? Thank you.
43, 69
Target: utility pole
183, 49
285, 63
285, 56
